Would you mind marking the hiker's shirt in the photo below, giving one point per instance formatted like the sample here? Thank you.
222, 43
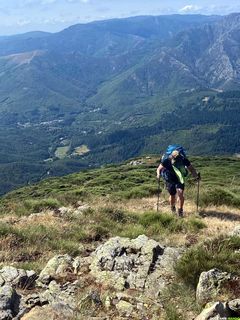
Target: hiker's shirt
177, 168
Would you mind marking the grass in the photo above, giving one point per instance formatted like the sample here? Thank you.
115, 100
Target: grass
179, 302
128, 182
222, 253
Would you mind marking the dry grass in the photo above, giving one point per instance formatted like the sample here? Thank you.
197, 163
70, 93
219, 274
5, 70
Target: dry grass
219, 219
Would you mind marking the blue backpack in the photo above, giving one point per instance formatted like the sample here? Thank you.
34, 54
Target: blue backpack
167, 175
177, 147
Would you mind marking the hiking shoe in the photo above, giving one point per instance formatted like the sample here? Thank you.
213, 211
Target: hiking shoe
173, 209
180, 213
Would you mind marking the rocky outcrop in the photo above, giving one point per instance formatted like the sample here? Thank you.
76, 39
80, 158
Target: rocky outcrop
9, 302
45, 312
211, 284
215, 312
141, 264
234, 306
220, 310
17, 277
59, 265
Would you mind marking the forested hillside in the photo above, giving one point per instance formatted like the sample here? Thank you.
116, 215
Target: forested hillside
106, 91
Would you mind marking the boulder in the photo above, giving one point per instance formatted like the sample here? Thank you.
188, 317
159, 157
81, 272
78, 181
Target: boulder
124, 308
9, 302
61, 296
45, 312
60, 265
211, 284
24, 279
141, 264
217, 311
234, 306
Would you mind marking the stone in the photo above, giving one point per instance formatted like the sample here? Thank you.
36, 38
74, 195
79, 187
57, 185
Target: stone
217, 311
211, 284
61, 296
124, 308
9, 302
141, 264
236, 231
59, 265
46, 312
234, 305
24, 279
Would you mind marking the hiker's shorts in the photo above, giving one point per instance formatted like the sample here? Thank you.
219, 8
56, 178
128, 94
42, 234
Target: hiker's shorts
172, 187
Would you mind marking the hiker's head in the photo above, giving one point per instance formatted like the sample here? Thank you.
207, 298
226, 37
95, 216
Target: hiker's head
175, 154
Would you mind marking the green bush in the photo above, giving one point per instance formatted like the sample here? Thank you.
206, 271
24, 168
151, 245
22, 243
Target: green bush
220, 196
116, 215
38, 205
170, 223
222, 253
5, 230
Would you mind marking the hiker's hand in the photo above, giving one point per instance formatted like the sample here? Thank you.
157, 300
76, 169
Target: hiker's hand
198, 177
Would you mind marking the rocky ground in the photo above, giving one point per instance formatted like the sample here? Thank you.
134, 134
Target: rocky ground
116, 278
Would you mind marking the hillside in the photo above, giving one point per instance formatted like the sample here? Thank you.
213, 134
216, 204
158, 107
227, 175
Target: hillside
116, 89
65, 230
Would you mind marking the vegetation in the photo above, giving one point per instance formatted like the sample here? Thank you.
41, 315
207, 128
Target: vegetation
222, 253
34, 228
127, 182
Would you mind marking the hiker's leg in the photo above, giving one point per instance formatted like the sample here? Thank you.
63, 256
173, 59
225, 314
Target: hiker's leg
180, 193
172, 198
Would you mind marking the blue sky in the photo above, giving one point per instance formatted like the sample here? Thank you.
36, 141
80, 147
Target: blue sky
17, 16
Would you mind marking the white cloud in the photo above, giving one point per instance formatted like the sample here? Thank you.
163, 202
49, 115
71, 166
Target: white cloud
190, 8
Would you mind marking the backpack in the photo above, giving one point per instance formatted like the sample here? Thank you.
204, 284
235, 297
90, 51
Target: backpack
167, 175
177, 147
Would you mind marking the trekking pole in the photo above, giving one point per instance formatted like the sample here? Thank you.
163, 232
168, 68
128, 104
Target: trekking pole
158, 194
198, 190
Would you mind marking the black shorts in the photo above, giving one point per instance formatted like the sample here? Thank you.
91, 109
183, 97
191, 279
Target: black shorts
172, 187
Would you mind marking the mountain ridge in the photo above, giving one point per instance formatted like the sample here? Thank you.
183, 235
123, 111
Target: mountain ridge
117, 94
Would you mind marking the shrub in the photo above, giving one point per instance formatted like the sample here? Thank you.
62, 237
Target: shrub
170, 223
222, 253
116, 215
220, 196
39, 205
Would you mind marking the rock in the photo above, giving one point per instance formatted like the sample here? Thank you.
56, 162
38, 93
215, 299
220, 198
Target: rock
46, 312
108, 302
9, 302
234, 305
141, 264
236, 231
215, 312
136, 162
124, 308
63, 211
211, 284
59, 265
61, 297
24, 279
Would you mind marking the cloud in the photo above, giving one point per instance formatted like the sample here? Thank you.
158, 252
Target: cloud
190, 8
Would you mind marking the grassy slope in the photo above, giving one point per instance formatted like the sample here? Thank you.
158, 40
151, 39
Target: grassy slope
122, 201
219, 177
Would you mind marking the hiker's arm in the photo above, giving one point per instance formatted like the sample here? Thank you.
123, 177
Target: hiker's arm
193, 171
160, 167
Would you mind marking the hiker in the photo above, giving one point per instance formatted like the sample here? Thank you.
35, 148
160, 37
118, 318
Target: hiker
174, 168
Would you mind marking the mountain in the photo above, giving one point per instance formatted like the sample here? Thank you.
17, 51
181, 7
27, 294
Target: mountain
109, 90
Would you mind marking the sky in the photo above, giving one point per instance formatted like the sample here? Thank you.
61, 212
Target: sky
18, 16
